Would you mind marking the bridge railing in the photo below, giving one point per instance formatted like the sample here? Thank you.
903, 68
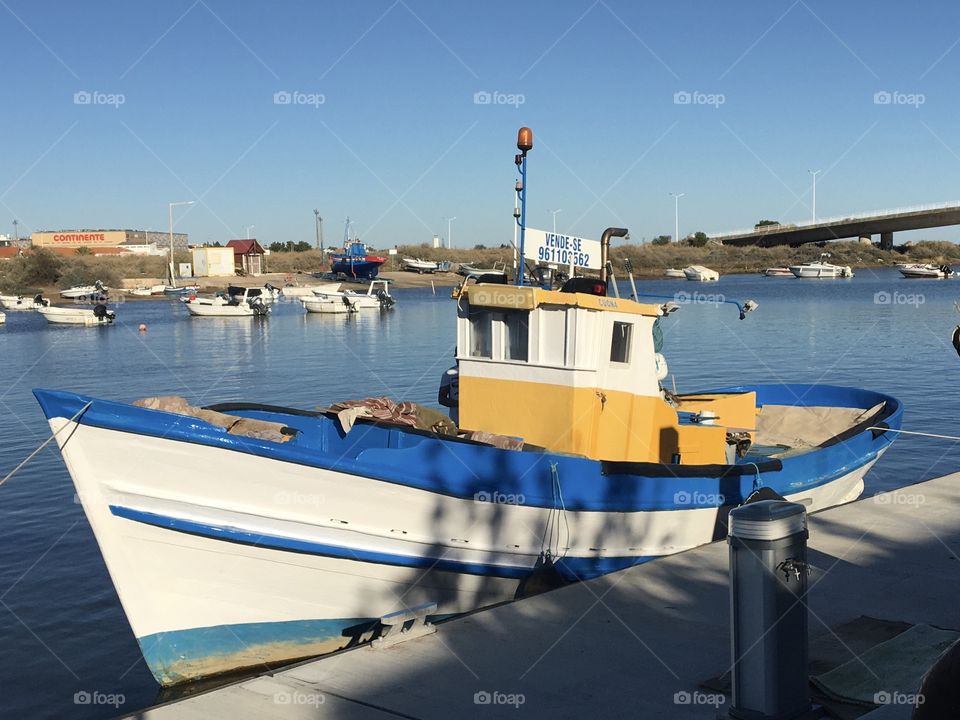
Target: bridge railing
764, 229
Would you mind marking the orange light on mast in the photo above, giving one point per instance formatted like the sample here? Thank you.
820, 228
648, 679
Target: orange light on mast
525, 139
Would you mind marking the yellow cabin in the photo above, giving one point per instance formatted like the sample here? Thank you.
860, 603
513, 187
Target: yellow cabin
577, 373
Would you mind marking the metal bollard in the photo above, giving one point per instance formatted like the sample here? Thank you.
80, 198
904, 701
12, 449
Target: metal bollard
768, 586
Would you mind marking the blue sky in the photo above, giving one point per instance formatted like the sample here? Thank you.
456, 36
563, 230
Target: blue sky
383, 125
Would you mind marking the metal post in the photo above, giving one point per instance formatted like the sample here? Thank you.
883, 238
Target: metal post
768, 586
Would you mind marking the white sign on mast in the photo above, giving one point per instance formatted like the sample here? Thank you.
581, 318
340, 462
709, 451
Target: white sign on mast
561, 249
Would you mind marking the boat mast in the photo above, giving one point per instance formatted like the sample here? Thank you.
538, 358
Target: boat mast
524, 144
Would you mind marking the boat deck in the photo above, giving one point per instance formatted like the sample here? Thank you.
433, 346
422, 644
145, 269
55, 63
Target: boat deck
623, 645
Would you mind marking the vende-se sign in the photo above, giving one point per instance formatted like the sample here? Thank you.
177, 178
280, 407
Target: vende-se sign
548, 247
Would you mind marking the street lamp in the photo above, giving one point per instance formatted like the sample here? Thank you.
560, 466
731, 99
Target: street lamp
676, 215
318, 222
249, 228
170, 207
814, 173
449, 239
554, 213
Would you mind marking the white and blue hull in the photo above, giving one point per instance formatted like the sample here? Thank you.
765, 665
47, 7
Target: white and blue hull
225, 559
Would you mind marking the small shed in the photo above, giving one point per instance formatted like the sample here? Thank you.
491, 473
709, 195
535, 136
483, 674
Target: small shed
247, 256
213, 262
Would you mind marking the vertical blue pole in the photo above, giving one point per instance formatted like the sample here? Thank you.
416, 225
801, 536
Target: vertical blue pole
523, 215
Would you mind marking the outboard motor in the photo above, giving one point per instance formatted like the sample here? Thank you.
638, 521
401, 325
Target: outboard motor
259, 308
101, 313
946, 270
386, 302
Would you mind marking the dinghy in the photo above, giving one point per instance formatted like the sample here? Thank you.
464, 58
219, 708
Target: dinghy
241, 534
419, 266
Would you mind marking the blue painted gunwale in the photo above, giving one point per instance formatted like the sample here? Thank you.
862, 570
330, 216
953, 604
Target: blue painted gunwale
466, 470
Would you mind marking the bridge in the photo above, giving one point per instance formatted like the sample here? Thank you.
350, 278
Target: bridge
883, 223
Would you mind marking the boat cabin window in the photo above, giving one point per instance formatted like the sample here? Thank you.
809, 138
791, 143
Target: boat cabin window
481, 333
620, 345
517, 335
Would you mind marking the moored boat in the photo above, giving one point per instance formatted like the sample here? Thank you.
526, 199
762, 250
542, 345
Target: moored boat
778, 272
925, 270
377, 297
234, 302
466, 269
821, 269
700, 273
242, 568
300, 291
241, 535
92, 293
98, 315
19, 302
674, 273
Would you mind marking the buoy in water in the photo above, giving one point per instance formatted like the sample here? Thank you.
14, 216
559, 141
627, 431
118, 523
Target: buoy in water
143, 327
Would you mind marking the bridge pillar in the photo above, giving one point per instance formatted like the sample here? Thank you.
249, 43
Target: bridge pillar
886, 241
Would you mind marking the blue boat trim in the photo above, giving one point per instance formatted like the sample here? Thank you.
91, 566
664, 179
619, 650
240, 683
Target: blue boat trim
471, 471
172, 656
578, 568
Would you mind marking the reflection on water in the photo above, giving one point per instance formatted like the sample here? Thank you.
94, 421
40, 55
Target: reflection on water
60, 621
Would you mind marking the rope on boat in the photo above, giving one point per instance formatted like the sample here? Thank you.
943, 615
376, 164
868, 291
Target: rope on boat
914, 432
45, 443
757, 481
552, 526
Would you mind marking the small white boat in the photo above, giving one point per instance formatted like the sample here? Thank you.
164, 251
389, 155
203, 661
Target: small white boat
97, 292
674, 273
3, 318
778, 272
377, 297
467, 270
419, 266
99, 315
920, 270
19, 302
235, 302
147, 290
341, 305
699, 273
301, 291
821, 269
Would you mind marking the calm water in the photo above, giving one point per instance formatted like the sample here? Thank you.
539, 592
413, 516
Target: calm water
61, 625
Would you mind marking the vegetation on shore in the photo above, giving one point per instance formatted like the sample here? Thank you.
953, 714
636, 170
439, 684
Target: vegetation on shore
41, 268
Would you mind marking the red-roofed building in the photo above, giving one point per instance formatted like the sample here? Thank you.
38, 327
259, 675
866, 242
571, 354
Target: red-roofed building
248, 256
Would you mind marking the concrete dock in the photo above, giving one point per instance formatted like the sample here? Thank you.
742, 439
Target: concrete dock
634, 644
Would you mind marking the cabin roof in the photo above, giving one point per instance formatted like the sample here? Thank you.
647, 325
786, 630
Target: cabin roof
527, 298
245, 247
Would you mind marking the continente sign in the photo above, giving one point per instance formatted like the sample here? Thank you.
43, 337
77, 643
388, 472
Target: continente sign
78, 238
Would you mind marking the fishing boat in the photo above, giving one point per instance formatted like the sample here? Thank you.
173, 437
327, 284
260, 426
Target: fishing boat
821, 269
240, 535
377, 297
98, 315
419, 266
92, 293
19, 302
355, 261
234, 302
699, 273
301, 291
778, 272
324, 305
924, 270
674, 273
